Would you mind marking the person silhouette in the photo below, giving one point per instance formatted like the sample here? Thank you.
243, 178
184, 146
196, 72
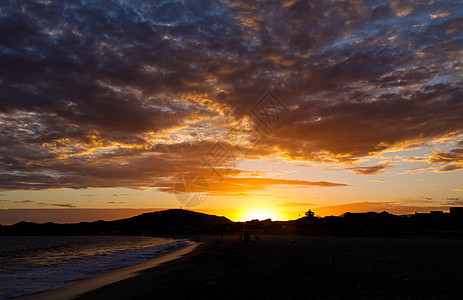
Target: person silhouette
246, 239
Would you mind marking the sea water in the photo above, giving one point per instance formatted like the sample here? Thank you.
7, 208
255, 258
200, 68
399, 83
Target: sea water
31, 264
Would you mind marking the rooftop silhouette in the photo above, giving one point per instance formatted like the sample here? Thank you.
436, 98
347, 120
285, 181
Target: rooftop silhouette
178, 221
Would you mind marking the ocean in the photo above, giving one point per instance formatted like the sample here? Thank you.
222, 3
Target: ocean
31, 264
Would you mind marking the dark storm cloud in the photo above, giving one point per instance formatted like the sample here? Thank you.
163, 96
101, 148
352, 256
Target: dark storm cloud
141, 170
100, 65
137, 172
359, 128
87, 87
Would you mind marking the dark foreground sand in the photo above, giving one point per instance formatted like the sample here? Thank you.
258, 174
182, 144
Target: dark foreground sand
314, 268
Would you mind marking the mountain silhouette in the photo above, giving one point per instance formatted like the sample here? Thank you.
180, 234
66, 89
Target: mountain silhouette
172, 221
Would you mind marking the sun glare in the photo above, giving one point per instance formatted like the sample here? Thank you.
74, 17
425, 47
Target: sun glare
260, 214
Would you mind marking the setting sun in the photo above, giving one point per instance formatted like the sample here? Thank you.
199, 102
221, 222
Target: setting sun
260, 214
272, 140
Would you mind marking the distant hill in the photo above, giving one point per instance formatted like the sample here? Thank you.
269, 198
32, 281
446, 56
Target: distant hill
173, 221
184, 222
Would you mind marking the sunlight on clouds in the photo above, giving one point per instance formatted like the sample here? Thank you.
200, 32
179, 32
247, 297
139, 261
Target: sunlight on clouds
278, 59
93, 146
133, 95
401, 9
417, 170
439, 14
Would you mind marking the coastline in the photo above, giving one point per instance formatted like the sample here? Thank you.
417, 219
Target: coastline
85, 285
312, 268
276, 268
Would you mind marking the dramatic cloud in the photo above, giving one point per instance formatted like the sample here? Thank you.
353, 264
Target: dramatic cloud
246, 186
134, 93
373, 170
452, 160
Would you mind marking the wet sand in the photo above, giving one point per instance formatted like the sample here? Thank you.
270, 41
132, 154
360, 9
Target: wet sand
314, 268
82, 286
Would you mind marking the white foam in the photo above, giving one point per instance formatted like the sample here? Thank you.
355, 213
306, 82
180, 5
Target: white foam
50, 277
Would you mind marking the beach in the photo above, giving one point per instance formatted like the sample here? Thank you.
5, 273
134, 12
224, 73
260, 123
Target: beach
312, 268
78, 287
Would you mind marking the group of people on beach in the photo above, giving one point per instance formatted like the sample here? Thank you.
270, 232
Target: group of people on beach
246, 238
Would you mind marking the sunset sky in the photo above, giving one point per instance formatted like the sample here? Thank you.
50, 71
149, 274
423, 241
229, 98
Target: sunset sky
270, 107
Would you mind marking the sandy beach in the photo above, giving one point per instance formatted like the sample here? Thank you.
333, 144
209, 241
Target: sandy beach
82, 286
312, 268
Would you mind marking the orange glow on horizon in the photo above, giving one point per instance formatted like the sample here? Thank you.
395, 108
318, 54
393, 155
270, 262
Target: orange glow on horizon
243, 215
260, 214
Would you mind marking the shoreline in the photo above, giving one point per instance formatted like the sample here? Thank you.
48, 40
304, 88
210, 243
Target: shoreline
278, 268
311, 268
85, 285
